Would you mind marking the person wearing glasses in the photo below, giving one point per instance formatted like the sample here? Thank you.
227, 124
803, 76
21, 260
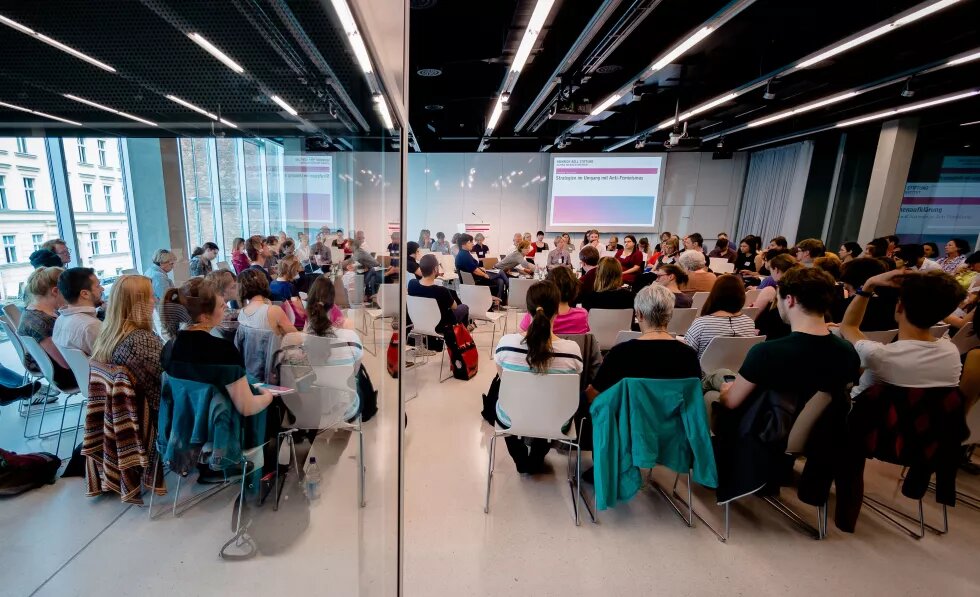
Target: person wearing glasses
672, 277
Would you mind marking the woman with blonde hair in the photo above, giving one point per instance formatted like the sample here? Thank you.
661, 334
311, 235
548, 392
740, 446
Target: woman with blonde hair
127, 338
609, 292
37, 321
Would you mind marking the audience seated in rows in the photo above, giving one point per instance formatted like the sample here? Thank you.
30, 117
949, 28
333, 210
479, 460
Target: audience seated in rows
197, 355
723, 249
917, 359
202, 259
956, 250
163, 264
284, 289
538, 350
850, 251
39, 317
609, 292
516, 261
630, 259
539, 245
589, 257
441, 246
258, 252
127, 338
699, 279
479, 248
560, 256
412, 260
570, 319
427, 287
670, 251
78, 325
239, 260
672, 277
257, 310
879, 312
721, 315
320, 255
226, 285
777, 262
465, 262
344, 347
748, 259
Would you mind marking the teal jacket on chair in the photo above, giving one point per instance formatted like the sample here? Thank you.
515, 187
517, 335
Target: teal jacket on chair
640, 423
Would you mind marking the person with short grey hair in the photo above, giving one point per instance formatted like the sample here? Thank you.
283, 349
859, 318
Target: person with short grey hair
163, 264
699, 279
654, 305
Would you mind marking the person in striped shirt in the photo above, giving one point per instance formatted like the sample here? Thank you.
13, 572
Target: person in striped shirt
721, 315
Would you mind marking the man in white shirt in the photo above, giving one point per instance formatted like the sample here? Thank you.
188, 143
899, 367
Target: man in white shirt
917, 359
77, 326
914, 258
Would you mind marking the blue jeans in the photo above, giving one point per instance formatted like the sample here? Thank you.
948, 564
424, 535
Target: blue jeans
10, 379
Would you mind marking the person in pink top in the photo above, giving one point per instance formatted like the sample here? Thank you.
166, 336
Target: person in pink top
631, 259
239, 260
570, 320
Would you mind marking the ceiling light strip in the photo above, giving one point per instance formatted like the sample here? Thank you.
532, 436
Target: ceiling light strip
970, 123
539, 15
910, 16
910, 108
382, 106
282, 104
839, 47
353, 35
38, 113
191, 106
108, 109
671, 55
55, 43
210, 48
877, 115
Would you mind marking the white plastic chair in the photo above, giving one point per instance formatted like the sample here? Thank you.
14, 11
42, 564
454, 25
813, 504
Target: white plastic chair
966, 339
681, 320
336, 255
78, 361
716, 262
538, 407
447, 263
479, 300
698, 300
13, 313
388, 299
724, 268
321, 400
751, 295
939, 330
46, 366
605, 325
626, 336
425, 315
517, 295
751, 312
467, 278
727, 352
885, 337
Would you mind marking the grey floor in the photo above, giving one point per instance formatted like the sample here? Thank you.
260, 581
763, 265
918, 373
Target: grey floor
58, 542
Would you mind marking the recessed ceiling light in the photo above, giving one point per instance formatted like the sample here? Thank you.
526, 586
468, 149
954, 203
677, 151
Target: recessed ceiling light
108, 109
283, 104
55, 43
45, 115
428, 72
434, 107
608, 69
214, 51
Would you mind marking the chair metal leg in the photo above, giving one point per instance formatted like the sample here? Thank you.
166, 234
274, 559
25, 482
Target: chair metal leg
689, 521
690, 505
362, 502
785, 510
886, 512
576, 495
61, 429
78, 423
493, 443
442, 361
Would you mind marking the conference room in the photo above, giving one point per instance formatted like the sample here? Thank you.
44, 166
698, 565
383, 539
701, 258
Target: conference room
431, 297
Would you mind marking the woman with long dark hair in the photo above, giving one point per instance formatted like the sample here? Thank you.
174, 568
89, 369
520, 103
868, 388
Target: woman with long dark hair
721, 315
202, 258
748, 249
630, 258
541, 352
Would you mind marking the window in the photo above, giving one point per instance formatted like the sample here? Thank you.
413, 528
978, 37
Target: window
37, 240
113, 242
21, 145
93, 242
82, 154
87, 193
10, 247
107, 193
102, 156
3, 192
29, 194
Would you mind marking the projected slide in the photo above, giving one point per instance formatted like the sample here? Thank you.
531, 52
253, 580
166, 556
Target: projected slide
609, 192
308, 182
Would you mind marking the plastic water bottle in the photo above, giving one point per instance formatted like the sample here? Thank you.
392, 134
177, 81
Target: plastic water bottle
312, 480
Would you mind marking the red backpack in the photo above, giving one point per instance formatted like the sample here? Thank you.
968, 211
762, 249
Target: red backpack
464, 360
21, 472
391, 357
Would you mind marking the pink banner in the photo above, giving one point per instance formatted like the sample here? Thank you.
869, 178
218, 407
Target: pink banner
606, 170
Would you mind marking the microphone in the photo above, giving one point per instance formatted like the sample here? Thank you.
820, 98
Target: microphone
475, 215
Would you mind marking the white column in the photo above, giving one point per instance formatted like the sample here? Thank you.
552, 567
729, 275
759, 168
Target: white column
888, 176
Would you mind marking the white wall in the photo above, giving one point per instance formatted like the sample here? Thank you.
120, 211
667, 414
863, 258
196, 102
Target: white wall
509, 191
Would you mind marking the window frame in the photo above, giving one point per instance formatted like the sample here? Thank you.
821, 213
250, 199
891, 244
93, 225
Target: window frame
100, 148
107, 195
35, 240
87, 196
93, 244
30, 193
82, 151
113, 241
3, 191
9, 249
